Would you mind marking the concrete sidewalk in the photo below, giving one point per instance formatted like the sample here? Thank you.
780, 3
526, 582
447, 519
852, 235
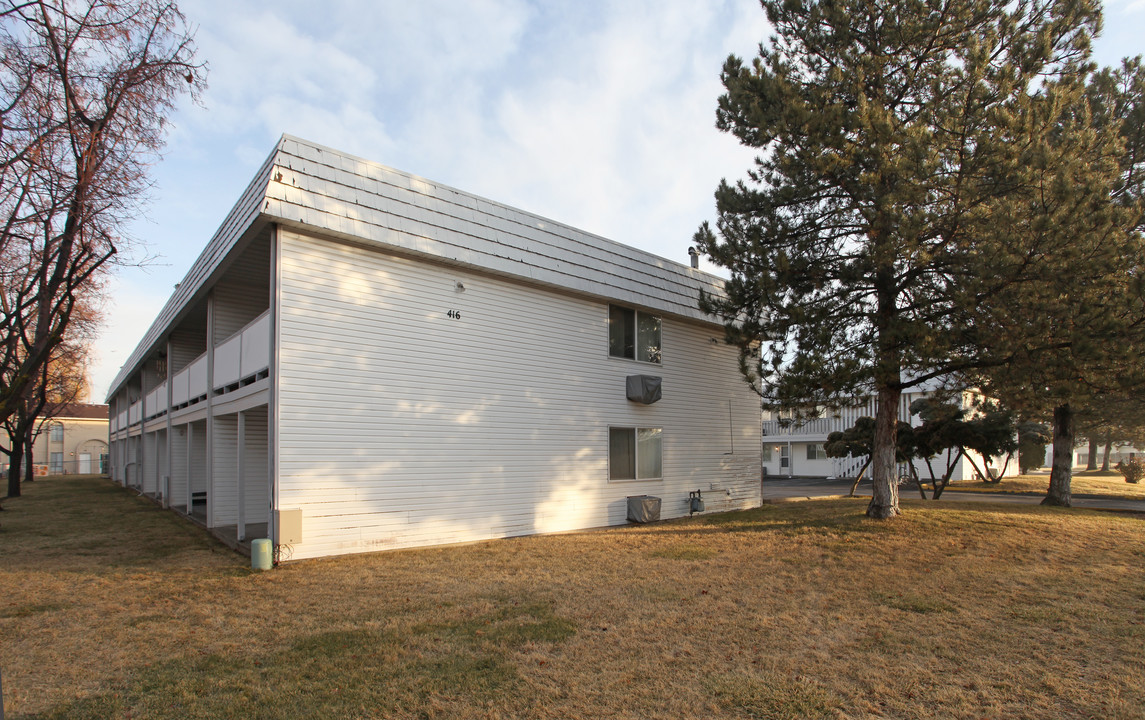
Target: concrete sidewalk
797, 488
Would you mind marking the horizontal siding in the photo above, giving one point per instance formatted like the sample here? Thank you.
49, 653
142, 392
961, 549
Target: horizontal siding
243, 293
223, 499
254, 471
149, 471
400, 426
197, 462
186, 345
179, 466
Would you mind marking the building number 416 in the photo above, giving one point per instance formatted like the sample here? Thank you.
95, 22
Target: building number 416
455, 314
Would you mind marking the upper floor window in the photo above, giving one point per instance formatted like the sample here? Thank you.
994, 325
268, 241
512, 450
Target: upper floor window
57, 434
633, 335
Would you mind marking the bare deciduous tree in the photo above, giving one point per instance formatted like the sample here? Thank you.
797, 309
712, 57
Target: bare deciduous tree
86, 88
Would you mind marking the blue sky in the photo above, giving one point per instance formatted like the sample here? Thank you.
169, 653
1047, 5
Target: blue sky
599, 114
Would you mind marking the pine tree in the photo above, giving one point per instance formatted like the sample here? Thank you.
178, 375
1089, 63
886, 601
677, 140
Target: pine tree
887, 133
1072, 326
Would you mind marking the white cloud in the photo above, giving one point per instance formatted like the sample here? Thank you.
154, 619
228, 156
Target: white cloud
597, 114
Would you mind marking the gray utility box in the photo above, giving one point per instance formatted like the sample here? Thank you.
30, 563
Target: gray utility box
643, 508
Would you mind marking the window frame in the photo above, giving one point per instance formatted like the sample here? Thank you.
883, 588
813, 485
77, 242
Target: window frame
56, 432
820, 452
636, 316
635, 431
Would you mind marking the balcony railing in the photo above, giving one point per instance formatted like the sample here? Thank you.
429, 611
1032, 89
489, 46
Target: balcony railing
156, 401
244, 354
238, 359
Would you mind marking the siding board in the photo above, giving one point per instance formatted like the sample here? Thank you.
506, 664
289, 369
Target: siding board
224, 470
254, 471
420, 429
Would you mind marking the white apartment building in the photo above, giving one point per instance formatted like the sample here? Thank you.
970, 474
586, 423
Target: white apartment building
796, 448
362, 359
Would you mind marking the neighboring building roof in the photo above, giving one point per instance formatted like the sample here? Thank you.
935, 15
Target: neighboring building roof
82, 411
310, 187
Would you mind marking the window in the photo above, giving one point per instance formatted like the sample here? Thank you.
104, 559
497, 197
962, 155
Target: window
56, 463
766, 457
57, 433
815, 451
635, 454
633, 335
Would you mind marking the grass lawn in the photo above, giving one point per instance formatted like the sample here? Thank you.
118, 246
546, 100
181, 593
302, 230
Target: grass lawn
1084, 482
113, 608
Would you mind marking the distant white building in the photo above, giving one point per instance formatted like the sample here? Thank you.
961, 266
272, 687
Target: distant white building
362, 359
1118, 453
796, 448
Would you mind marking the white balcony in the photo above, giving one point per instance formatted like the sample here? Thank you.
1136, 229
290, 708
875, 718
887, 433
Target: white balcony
244, 354
135, 412
181, 387
122, 422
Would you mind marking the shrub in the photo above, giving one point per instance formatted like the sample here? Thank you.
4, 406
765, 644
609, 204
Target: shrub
1133, 470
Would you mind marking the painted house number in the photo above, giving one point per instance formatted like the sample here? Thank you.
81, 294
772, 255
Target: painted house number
455, 314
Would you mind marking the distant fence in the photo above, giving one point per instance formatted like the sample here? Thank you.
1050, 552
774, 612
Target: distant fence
96, 465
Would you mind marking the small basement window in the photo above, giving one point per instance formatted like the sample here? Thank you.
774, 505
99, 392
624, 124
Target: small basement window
635, 453
633, 335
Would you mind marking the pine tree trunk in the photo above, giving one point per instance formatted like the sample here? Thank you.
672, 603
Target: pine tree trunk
14, 463
1061, 472
885, 492
1091, 462
1105, 455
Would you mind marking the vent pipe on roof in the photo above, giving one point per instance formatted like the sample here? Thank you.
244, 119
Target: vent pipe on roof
695, 257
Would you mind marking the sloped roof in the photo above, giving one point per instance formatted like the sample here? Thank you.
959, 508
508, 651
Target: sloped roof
317, 189
85, 411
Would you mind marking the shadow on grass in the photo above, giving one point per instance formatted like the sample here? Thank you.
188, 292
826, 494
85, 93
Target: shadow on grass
364, 671
62, 524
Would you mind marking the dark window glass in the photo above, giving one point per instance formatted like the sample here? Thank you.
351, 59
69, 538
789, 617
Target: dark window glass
621, 453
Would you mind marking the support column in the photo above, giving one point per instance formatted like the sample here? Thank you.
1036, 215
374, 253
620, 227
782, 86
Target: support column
209, 464
240, 454
170, 440
190, 464
272, 389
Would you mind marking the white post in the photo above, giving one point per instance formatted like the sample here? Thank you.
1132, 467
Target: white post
240, 531
190, 464
210, 461
272, 387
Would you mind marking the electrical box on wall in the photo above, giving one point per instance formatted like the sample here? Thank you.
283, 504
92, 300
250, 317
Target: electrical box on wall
289, 526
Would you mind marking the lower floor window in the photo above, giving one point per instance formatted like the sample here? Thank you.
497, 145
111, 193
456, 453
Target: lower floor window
815, 451
56, 463
635, 453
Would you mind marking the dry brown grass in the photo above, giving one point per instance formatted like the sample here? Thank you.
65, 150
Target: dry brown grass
1102, 484
113, 608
